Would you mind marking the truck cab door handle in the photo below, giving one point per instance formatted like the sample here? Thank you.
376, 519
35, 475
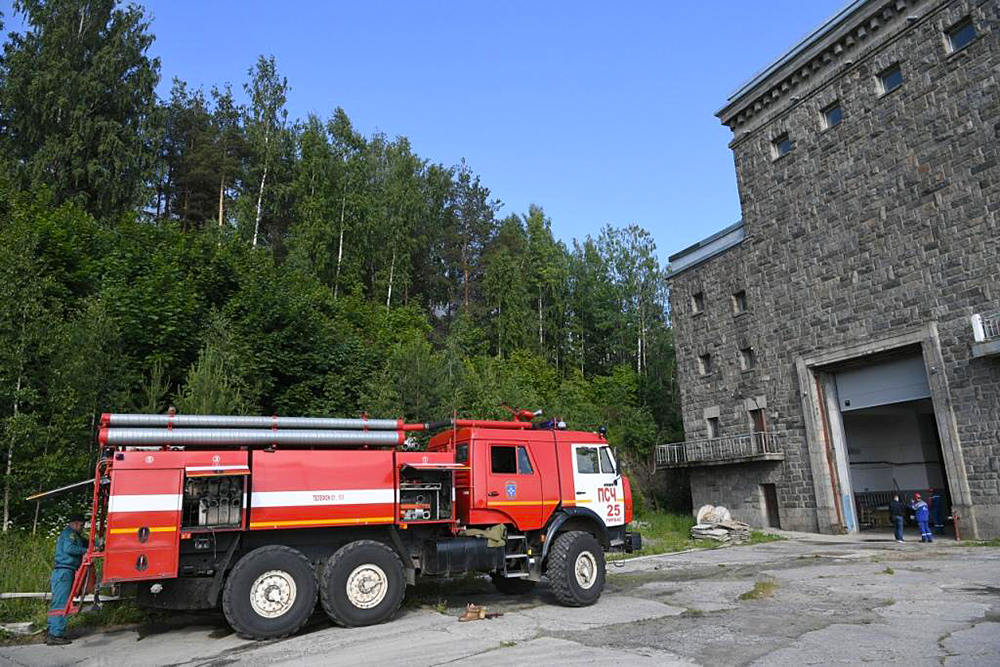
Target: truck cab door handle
493, 494
580, 493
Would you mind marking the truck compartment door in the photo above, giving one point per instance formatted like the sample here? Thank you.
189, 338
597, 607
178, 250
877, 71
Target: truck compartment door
144, 511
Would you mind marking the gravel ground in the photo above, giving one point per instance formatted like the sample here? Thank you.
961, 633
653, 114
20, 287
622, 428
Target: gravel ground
810, 600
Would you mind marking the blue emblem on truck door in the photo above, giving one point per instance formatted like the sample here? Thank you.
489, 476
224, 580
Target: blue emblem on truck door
511, 490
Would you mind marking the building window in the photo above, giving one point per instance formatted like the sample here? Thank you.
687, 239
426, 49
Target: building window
961, 35
698, 303
705, 364
740, 302
747, 358
782, 146
891, 79
713, 426
832, 115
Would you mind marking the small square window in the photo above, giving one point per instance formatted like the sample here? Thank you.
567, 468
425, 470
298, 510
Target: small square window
713, 426
588, 461
961, 35
705, 364
740, 302
782, 146
832, 115
503, 460
891, 79
698, 302
747, 358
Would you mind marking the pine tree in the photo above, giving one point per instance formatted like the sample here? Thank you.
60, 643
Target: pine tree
77, 102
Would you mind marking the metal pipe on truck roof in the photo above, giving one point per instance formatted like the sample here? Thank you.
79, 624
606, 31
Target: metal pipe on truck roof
218, 437
116, 420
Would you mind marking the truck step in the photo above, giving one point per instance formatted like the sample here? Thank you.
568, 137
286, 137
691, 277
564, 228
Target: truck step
516, 575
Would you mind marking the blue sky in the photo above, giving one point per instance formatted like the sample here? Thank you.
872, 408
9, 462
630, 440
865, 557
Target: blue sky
600, 112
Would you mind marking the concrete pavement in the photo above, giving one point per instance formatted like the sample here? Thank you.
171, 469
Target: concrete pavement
820, 601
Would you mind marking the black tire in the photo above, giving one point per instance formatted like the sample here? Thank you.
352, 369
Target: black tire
569, 589
387, 588
512, 586
246, 580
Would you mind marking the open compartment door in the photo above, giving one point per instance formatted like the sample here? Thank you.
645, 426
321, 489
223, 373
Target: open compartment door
144, 513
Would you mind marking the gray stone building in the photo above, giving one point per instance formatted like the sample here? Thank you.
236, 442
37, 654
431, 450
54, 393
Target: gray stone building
841, 341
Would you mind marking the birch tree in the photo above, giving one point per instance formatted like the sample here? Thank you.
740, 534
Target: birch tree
265, 121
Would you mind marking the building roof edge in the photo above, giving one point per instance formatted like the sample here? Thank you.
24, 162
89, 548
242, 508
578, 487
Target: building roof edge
811, 38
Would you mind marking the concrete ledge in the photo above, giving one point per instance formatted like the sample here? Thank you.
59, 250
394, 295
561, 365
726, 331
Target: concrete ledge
777, 456
990, 348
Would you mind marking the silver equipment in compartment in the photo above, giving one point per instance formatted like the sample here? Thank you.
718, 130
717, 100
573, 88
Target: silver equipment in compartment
213, 501
421, 501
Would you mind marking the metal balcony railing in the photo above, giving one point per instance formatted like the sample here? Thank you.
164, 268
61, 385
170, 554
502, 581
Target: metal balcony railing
725, 449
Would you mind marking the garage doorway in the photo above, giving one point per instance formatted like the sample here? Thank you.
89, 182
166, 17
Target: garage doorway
890, 439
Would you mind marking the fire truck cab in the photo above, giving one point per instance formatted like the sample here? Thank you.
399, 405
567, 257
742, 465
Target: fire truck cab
203, 511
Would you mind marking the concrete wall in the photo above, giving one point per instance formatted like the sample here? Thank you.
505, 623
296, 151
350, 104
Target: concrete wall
886, 222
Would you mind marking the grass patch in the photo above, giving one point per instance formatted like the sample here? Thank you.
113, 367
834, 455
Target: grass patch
760, 590
25, 567
663, 532
979, 543
760, 537
888, 570
692, 613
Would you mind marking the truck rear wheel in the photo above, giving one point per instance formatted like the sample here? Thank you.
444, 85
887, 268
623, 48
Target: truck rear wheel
362, 584
270, 593
576, 569
512, 586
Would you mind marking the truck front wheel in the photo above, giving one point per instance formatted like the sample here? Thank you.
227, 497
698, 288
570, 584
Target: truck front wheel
576, 569
270, 593
362, 584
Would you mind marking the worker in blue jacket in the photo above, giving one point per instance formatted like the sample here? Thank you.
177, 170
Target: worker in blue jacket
923, 515
70, 548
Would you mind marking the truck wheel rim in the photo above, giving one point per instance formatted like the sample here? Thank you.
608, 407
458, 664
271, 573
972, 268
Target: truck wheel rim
272, 593
585, 570
367, 585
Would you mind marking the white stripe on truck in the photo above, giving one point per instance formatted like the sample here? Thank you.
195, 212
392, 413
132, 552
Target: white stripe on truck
147, 502
318, 497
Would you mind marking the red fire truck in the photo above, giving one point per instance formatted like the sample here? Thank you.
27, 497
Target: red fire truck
263, 515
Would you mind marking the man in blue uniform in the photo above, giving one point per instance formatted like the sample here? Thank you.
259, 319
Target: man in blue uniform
70, 548
923, 515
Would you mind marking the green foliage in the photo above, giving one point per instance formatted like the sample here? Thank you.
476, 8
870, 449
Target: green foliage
212, 387
77, 102
216, 256
25, 567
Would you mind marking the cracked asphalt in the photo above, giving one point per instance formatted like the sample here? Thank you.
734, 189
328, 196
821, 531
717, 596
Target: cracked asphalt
820, 601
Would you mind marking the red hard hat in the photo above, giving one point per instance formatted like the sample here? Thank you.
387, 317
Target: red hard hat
917, 496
